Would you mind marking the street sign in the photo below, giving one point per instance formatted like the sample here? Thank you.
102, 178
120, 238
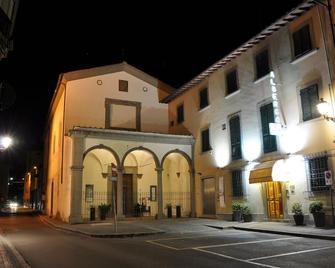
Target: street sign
328, 177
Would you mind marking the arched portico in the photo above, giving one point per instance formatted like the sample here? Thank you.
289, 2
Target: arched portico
177, 182
96, 188
142, 181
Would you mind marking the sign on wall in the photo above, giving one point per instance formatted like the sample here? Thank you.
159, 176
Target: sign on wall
221, 192
328, 177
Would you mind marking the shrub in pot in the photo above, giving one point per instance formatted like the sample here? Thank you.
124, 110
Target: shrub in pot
246, 212
104, 209
298, 215
316, 208
237, 211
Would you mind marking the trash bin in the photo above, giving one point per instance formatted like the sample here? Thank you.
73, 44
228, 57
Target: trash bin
92, 214
178, 211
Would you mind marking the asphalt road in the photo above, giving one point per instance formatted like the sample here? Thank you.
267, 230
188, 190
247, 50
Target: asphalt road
42, 246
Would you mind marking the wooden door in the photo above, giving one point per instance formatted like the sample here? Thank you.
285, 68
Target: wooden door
128, 202
274, 200
208, 195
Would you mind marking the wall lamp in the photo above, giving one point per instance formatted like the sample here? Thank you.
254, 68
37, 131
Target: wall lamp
324, 109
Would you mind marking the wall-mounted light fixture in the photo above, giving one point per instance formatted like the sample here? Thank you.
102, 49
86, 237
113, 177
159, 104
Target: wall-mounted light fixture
324, 110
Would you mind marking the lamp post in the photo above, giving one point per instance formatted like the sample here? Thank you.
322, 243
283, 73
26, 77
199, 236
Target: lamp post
324, 109
5, 142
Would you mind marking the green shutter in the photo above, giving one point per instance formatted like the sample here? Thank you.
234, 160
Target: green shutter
267, 116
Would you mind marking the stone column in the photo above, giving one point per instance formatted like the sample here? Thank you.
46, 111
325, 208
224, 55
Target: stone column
192, 192
76, 179
160, 192
120, 212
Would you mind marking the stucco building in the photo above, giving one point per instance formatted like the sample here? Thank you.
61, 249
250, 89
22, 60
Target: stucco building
113, 115
259, 136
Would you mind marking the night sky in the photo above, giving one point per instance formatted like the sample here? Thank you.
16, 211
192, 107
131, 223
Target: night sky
172, 41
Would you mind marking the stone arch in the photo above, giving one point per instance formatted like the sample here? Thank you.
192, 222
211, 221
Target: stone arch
101, 146
188, 159
141, 148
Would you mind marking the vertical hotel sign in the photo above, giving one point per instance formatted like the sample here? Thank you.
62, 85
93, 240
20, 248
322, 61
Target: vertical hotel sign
276, 128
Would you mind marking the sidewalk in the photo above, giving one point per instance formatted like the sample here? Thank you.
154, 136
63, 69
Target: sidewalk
284, 228
139, 227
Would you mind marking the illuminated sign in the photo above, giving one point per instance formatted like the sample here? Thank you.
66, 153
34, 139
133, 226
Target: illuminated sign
276, 128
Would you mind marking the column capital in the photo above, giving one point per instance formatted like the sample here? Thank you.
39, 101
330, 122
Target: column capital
120, 170
192, 171
159, 169
77, 168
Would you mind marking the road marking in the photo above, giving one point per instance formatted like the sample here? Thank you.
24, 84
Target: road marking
162, 245
290, 253
184, 237
236, 259
17, 255
245, 243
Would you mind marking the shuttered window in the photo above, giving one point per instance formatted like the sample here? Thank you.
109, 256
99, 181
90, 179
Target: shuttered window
302, 41
309, 99
203, 95
205, 145
269, 141
180, 114
231, 82
262, 64
235, 137
237, 186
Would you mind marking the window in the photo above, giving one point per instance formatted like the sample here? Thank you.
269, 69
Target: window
123, 85
267, 116
302, 41
231, 81
180, 113
235, 137
89, 193
309, 99
205, 145
237, 186
203, 94
317, 167
262, 64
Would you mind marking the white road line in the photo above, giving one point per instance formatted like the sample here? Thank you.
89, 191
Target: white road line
245, 243
162, 245
17, 255
236, 259
183, 237
290, 253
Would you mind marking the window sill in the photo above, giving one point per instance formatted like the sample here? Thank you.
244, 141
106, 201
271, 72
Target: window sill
316, 119
203, 109
232, 94
304, 56
258, 80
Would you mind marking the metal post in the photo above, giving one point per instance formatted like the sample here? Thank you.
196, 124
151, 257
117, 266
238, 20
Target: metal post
332, 203
114, 207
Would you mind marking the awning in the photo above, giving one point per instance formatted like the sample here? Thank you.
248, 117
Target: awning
262, 172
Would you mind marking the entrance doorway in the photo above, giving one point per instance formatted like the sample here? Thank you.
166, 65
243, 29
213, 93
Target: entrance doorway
274, 200
208, 196
128, 201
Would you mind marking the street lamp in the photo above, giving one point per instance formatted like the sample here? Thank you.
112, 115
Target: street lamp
5, 142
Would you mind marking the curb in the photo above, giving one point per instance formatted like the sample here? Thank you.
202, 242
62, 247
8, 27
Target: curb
219, 227
116, 235
314, 236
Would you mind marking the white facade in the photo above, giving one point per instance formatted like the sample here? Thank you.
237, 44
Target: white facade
300, 139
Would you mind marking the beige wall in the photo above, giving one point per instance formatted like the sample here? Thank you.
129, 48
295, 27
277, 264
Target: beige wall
89, 109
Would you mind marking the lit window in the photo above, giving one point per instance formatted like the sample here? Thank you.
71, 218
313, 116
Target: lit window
89, 193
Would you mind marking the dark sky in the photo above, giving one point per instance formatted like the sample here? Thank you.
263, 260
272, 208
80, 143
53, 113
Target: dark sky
172, 41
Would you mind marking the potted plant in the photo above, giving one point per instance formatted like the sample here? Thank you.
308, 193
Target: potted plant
246, 214
316, 208
298, 215
237, 211
104, 209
